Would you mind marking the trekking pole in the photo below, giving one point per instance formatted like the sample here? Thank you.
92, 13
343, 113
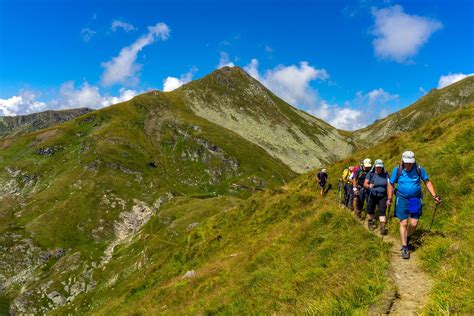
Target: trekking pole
434, 214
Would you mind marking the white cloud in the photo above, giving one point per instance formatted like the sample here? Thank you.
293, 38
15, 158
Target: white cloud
399, 36
225, 61
87, 34
122, 68
360, 112
88, 96
172, 83
24, 103
291, 83
448, 79
69, 97
375, 99
127, 27
343, 117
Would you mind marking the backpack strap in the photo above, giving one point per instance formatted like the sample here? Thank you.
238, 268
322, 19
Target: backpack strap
399, 171
402, 165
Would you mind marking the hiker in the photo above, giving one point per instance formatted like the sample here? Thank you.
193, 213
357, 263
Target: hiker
377, 181
322, 177
346, 179
358, 186
356, 168
408, 175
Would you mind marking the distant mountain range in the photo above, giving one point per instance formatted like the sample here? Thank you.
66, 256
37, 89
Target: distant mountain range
102, 209
21, 124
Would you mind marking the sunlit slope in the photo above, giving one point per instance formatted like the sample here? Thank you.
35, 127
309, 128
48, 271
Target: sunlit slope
444, 146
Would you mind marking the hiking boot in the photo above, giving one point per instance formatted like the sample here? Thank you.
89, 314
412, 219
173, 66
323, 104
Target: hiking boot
405, 252
371, 224
359, 214
383, 230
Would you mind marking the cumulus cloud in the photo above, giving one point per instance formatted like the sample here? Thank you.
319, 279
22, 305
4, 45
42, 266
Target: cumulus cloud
87, 34
117, 24
342, 117
357, 113
88, 96
448, 79
69, 97
291, 83
225, 61
172, 83
122, 68
398, 35
24, 103
375, 99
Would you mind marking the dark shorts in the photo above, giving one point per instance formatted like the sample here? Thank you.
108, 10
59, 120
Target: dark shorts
402, 208
322, 184
381, 201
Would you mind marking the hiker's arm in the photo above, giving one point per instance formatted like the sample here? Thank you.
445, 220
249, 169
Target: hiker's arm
389, 193
431, 188
366, 184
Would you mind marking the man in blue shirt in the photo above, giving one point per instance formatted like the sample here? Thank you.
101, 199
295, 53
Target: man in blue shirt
408, 176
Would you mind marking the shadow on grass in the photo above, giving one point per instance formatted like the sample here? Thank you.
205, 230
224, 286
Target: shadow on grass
418, 236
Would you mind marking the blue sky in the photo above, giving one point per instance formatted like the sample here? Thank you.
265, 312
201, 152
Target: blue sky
348, 62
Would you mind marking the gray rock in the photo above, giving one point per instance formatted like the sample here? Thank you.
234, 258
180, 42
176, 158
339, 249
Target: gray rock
191, 226
189, 274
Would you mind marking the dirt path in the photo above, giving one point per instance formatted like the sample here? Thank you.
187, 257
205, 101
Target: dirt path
412, 284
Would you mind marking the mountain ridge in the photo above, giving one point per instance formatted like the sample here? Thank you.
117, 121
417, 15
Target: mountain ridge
21, 124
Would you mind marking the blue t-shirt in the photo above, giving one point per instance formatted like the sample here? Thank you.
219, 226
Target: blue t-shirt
409, 185
379, 181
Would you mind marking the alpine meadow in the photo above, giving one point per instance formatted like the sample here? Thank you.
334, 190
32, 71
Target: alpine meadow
261, 184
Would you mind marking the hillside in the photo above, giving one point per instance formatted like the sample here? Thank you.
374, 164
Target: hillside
159, 206
233, 99
290, 251
22, 124
444, 147
433, 104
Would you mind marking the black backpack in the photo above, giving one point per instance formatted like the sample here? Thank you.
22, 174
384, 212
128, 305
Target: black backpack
360, 176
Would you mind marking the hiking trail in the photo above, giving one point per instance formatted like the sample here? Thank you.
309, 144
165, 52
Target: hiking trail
412, 284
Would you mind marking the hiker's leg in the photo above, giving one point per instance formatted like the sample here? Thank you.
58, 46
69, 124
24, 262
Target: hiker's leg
371, 207
382, 210
346, 195
412, 227
403, 231
359, 203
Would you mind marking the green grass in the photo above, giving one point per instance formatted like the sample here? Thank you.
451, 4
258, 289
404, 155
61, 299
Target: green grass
444, 147
282, 251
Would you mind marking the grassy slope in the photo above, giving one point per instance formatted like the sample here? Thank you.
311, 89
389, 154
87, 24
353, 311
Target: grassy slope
285, 251
107, 152
444, 146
